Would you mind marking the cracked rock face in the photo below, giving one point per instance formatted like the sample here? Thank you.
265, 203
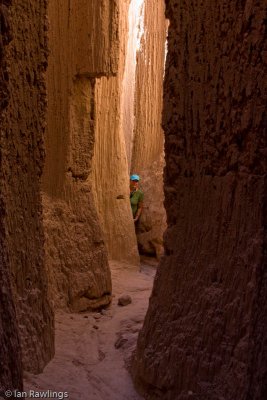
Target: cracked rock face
205, 330
10, 352
22, 126
83, 47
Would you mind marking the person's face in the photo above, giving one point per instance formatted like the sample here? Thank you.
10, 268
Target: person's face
133, 185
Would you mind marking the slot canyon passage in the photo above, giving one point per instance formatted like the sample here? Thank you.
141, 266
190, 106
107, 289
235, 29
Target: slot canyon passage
87, 98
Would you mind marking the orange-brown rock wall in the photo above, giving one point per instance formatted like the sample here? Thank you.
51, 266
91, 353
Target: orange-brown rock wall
83, 46
204, 335
135, 32
148, 134
22, 130
10, 352
147, 154
110, 174
110, 165
129, 136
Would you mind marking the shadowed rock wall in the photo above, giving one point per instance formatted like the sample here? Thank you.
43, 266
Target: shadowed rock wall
204, 335
84, 45
22, 237
10, 352
147, 154
110, 167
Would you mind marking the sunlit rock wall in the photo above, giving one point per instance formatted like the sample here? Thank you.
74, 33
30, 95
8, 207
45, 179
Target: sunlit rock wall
129, 134
83, 42
110, 167
204, 335
147, 154
10, 353
22, 157
135, 32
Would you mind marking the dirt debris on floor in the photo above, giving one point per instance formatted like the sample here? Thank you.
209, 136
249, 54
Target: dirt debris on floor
93, 349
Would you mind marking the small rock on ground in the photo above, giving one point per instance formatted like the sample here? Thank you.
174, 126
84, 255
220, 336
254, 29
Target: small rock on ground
124, 300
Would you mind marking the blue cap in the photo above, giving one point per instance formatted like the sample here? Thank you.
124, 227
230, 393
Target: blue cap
134, 178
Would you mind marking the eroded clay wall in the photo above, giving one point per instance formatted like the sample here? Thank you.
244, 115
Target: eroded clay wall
10, 352
83, 42
204, 335
135, 32
147, 158
110, 166
129, 134
22, 236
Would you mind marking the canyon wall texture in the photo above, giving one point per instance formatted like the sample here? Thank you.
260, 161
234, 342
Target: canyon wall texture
147, 158
10, 352
135, 32
84, 46
110, 167
204, 336
22, 129
129, 136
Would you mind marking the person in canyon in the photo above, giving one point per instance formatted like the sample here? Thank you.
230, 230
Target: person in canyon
136, 197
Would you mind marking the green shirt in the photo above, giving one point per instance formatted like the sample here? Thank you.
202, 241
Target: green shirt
136, 198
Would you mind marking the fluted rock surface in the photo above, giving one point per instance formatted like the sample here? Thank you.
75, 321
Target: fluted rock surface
147, 158
204, 335
135, 32
83, 46
22, 129
110, 167
129, 134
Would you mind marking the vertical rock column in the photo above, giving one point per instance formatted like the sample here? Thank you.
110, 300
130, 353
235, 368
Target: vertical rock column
135, 33
84, 45
110, 167
128, 126
147, 155
204, 335
10, 352
22, 129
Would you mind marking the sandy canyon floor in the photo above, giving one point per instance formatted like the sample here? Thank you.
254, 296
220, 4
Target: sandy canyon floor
93, 349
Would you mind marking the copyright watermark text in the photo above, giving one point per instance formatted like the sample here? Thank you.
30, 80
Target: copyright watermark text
33, 394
